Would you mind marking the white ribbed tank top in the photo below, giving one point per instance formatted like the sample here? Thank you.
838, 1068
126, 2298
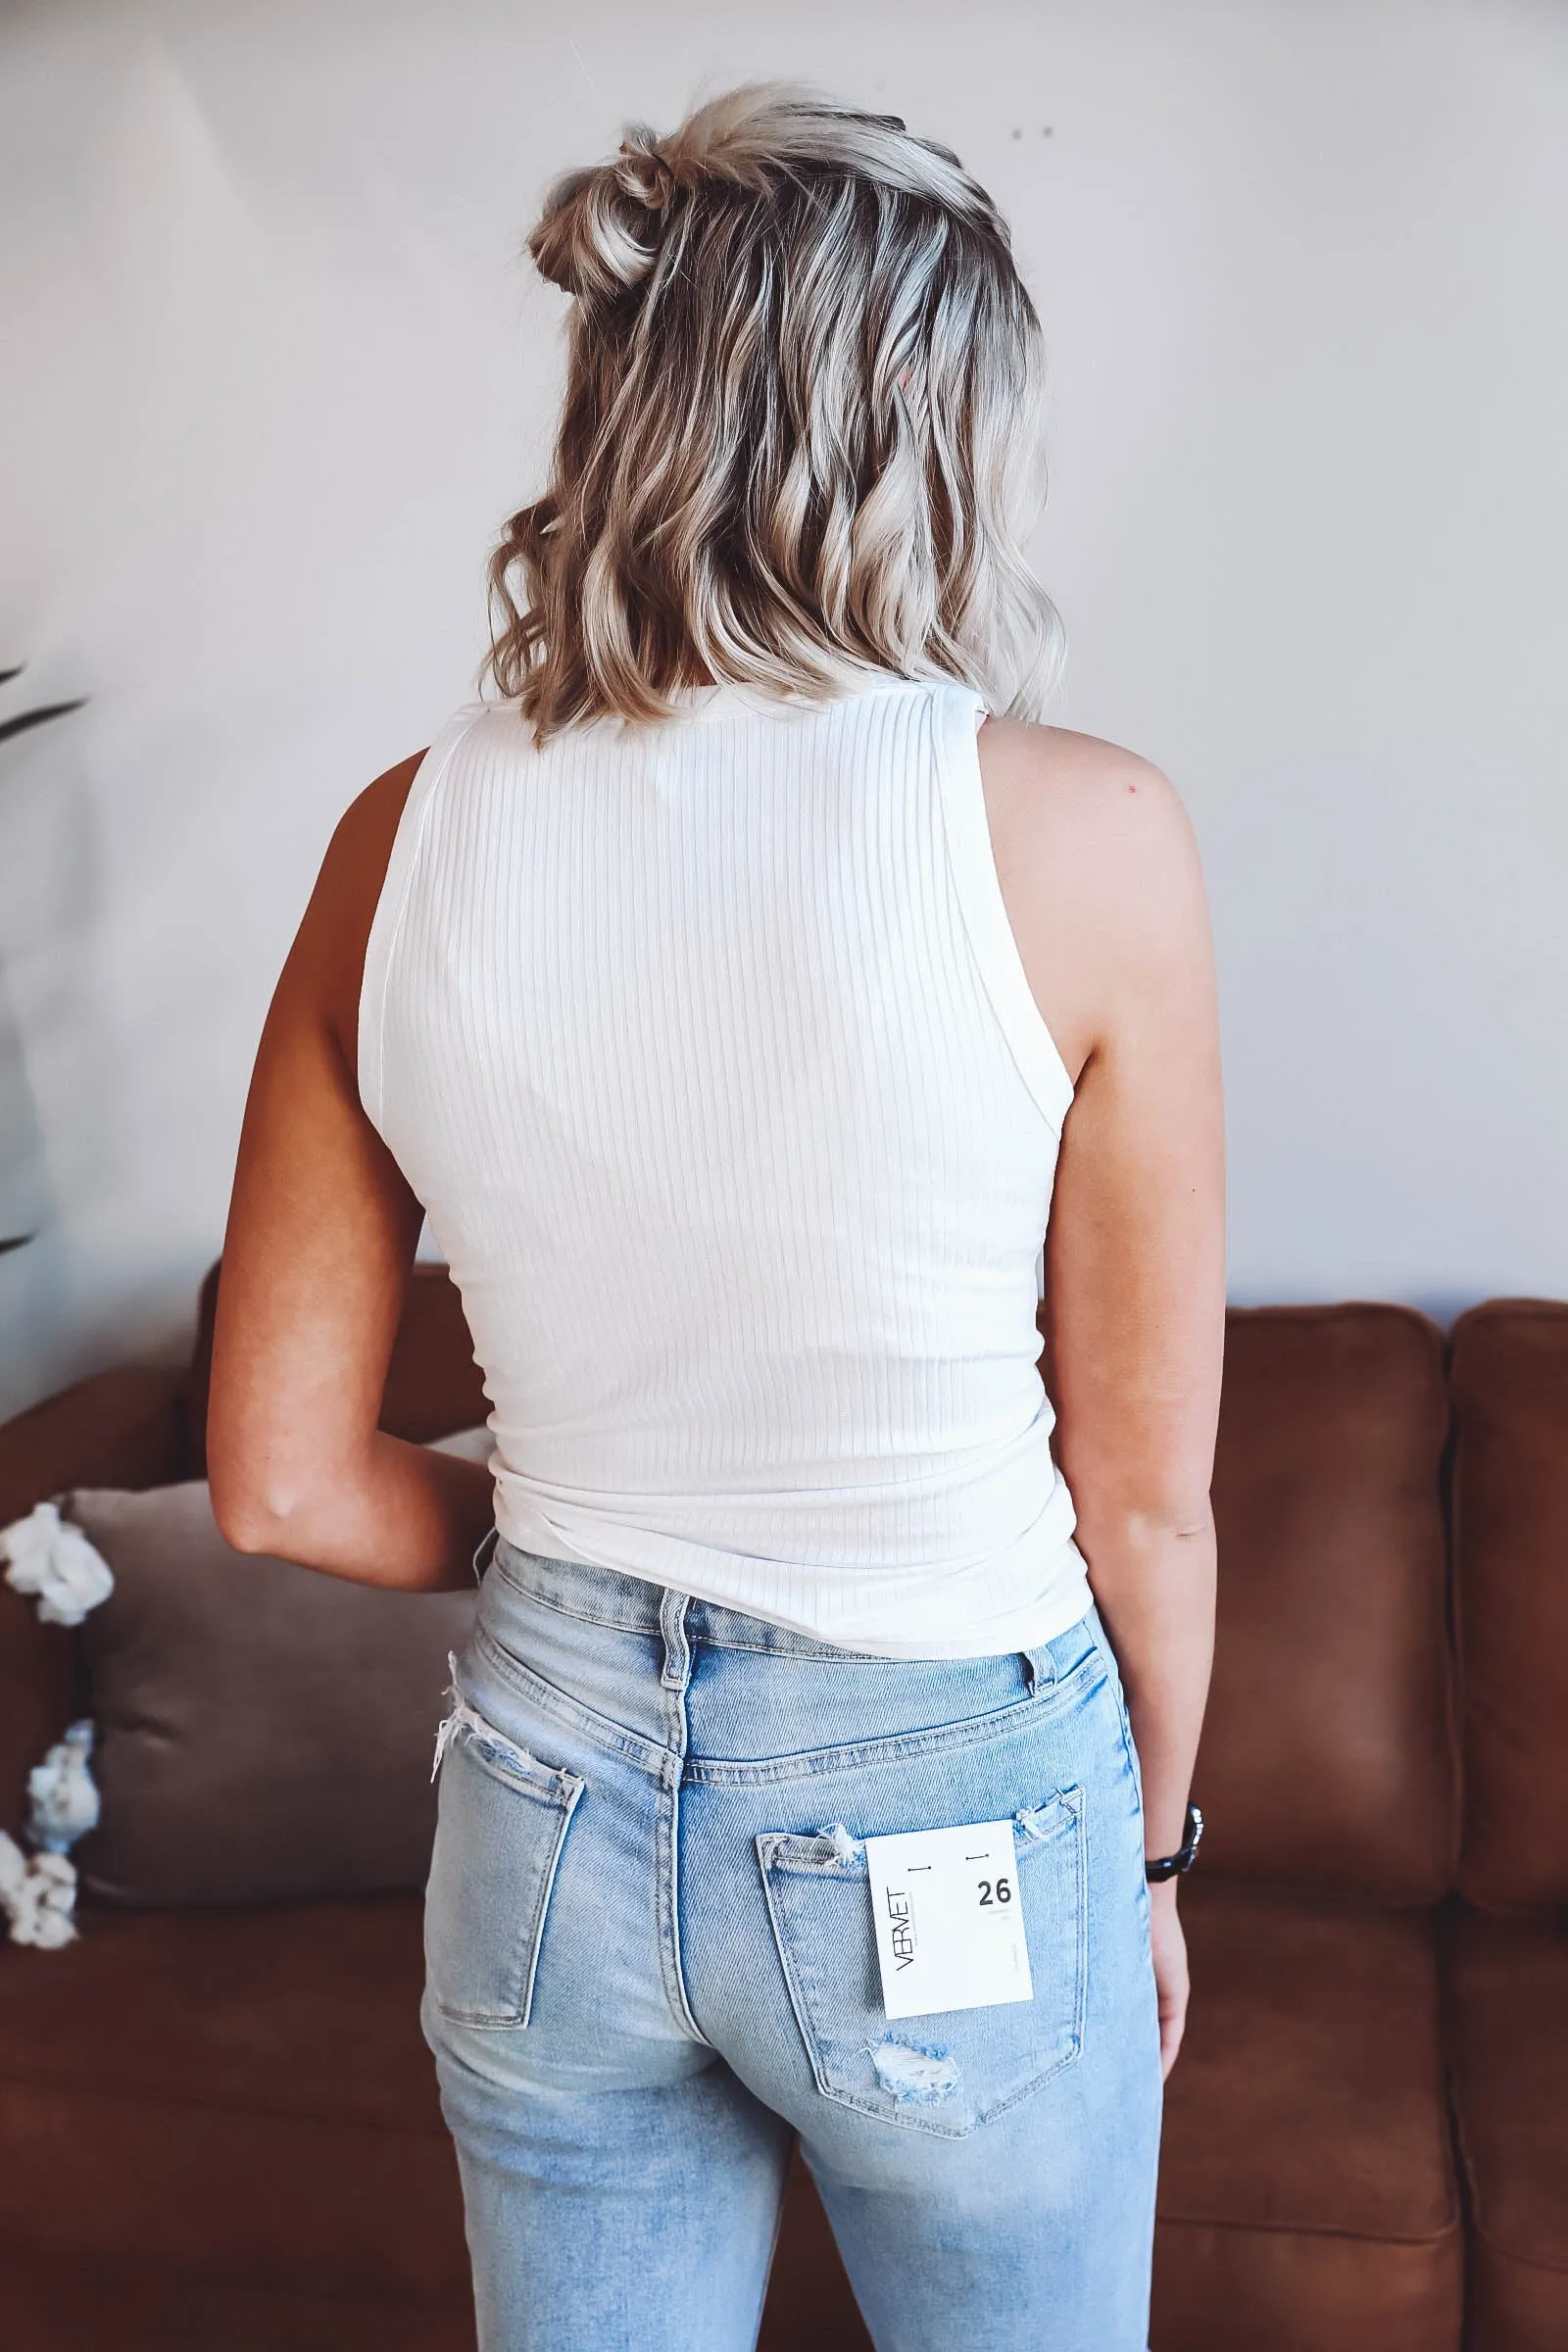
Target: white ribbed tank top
708, 1049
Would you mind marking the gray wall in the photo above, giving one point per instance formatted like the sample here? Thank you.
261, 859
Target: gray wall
1301, 267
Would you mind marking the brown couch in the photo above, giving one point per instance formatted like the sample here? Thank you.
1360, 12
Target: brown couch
219, 2129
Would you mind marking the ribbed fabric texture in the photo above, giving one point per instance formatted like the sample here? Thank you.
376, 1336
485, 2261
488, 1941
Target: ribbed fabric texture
708, 1049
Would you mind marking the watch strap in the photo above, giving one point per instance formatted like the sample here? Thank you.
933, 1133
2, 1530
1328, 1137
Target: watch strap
1171, 1866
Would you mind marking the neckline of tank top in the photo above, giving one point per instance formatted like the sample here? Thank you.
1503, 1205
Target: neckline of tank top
693, 705
696, 705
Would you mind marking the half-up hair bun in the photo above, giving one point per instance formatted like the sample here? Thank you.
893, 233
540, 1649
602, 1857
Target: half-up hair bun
799, 440
601, 227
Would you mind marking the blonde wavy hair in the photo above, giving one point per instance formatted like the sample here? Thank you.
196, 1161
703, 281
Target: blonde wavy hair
801, 437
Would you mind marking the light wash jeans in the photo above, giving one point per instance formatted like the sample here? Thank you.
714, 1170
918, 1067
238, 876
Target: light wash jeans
649, 1963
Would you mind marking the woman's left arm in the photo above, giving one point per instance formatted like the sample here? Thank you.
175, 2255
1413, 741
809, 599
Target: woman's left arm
322, 1233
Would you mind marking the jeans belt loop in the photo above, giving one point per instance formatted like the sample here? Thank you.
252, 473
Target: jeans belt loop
484, 1552
1039, 1666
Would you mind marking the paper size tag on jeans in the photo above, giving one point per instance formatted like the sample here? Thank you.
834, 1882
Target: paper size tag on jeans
947, 1920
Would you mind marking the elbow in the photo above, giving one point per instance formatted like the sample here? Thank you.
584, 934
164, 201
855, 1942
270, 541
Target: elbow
244, 1520
266, 1477
1192, 1523
256, 1510
1165, 1524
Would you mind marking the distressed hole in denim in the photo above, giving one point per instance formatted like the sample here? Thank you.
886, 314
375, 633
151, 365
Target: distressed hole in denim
847, 1850
913, 2071
490, 1742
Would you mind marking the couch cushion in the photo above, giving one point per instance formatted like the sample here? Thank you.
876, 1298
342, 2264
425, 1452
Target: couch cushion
1510, 1515
1328, 1754
1306, 2186
433, 1385
263, 1733
132, 2305
304, 2009
244, 2093
1507, 1996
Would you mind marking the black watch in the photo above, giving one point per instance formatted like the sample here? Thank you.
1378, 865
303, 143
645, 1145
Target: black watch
1170, 1866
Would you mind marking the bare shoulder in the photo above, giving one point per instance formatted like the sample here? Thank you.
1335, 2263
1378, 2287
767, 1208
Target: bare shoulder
1098, 869
1105, 819
361, 842
329, 955
1056, 779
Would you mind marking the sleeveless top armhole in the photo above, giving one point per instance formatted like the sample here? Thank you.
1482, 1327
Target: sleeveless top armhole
958, 715
390, 905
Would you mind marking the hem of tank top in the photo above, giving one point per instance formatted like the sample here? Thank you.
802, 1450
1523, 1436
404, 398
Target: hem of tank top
797, 1642
1046, 1605
972, 861
391, 904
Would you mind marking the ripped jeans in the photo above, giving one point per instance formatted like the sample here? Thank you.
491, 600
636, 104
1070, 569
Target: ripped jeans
650, 1964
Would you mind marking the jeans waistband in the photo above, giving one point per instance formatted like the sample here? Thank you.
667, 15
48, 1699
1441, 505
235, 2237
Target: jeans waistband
635, 1605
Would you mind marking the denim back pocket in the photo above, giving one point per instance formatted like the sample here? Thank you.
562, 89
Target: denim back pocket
952, 2071
500, 1825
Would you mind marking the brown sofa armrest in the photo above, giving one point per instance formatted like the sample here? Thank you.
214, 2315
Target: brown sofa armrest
118, 1429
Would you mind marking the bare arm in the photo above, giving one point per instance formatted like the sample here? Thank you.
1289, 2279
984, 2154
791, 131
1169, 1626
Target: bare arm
322, 1233
1114, 932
